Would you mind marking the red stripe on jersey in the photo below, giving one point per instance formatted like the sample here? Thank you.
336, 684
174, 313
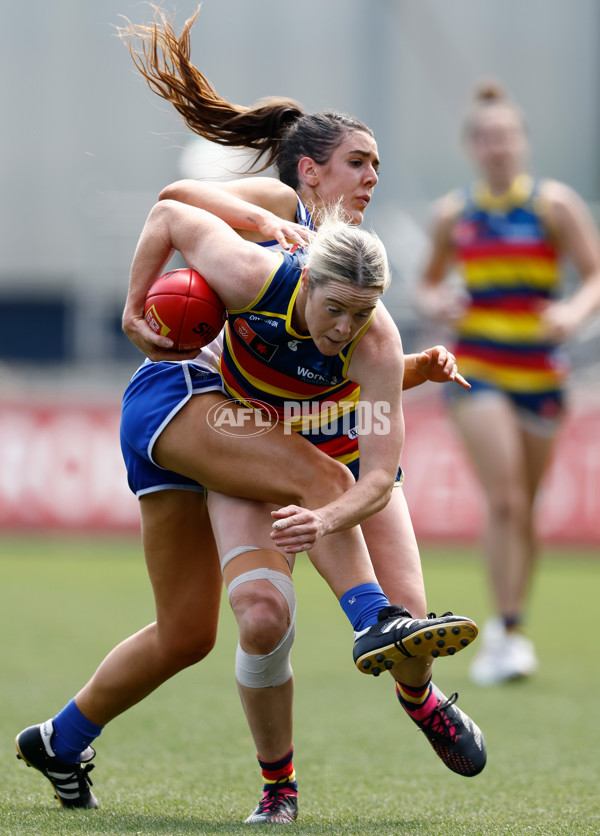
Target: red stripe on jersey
527, 301
508, 249
339, 446
239, 386
517, 359
279, 380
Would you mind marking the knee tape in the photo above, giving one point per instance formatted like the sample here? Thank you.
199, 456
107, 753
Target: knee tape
236, 553
272, 668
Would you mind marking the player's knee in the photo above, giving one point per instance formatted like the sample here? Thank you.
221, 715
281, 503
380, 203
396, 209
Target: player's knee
261, 594
255, 669
266, 670
509, 504
185, 647
262, 615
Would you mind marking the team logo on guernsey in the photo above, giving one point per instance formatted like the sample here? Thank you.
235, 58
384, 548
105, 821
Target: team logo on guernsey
262, 348
293, 345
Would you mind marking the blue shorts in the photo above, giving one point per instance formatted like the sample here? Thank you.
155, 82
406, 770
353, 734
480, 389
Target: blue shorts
354, 466
537, 412
155, 394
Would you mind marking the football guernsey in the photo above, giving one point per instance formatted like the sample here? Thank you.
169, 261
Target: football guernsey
266, 363
510, 266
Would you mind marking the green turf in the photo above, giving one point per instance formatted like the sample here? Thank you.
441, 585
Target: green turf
183, 761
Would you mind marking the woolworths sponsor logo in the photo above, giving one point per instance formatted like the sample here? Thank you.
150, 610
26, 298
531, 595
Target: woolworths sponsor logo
311, 374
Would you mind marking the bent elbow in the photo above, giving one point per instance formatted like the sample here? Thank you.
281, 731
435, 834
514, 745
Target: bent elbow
174, 191
385, 494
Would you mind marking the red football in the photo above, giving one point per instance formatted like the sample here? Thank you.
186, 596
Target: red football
182, 306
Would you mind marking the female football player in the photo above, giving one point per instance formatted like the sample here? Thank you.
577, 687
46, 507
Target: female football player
508, 233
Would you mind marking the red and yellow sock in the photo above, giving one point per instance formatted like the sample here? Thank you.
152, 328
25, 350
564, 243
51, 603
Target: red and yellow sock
420, 702
279, 772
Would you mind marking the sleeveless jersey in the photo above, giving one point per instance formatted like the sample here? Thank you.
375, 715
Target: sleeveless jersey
510, 266
269, 365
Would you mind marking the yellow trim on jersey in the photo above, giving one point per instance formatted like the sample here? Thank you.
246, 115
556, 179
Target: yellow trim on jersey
354, 343
335, 411
519, 192
262, 291
290, 312
499, 326
346, 459
270, 314
508, 272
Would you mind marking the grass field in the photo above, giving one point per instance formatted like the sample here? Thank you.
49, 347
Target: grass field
183, 762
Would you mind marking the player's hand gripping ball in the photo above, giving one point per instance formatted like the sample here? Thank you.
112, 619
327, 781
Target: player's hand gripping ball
182, 306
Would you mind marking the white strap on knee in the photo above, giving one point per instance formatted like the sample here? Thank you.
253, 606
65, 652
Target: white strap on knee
235, 553
274, 668
282, 582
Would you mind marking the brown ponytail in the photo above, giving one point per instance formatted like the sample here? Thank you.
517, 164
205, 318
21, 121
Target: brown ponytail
164, 61
278, 129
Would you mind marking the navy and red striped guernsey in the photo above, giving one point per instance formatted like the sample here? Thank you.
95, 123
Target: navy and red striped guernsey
264, 359
510, 265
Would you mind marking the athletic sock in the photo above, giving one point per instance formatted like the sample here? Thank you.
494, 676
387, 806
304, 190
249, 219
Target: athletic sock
419, 702
72, 733
512, 622
362, 603
280, 772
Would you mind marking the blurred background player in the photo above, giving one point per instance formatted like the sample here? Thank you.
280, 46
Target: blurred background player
507, 234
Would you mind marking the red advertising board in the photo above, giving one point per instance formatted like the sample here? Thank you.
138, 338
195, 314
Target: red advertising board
61, 468
444, 496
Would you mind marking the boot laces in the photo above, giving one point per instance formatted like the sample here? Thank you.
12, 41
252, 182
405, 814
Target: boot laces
439, 723
271, 797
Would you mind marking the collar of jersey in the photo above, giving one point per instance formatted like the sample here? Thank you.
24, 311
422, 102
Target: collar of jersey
517, 194
288, 317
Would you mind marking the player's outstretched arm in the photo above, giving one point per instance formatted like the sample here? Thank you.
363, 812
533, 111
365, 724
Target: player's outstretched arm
436, 364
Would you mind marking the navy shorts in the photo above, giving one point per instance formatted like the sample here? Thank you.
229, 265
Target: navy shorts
353, 467
538, 412
155, 394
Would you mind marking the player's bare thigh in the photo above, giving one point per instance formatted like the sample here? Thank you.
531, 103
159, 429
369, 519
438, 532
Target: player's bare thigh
273, 466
